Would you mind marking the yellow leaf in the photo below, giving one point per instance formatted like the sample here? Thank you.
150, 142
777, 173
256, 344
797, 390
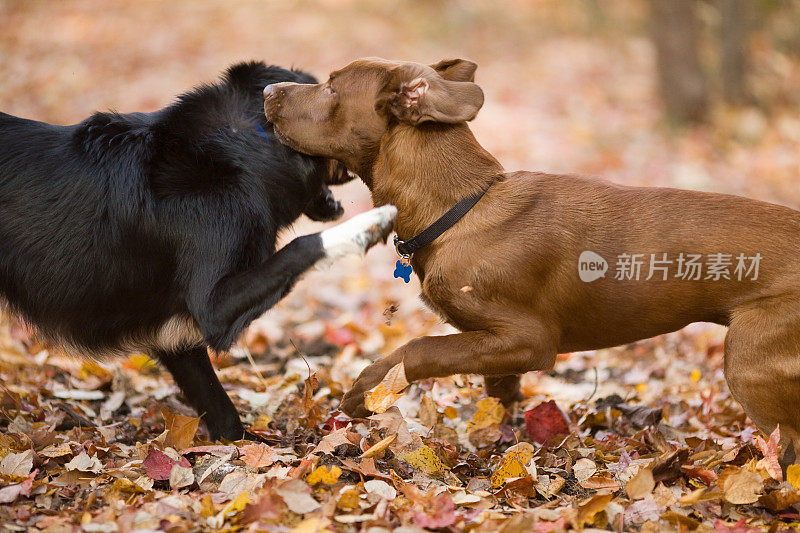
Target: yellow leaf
490, 413
91, 368
349, 499
238, 504
207, 506
312, 525
793, 476
377, 448
451, 412
140, 362
695, 375
180, 429
425, 460
388, 391
588, 509
322, 474
126, 485
514, 464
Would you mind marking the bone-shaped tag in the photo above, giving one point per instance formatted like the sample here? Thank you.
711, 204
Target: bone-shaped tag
403, 270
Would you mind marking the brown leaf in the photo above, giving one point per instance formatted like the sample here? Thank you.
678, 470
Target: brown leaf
743, 487
388, 391
180, 429
641, 485
258, 455
589, 508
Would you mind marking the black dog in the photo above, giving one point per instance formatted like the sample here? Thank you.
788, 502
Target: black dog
156, 232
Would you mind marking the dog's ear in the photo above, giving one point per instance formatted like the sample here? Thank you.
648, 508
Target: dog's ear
456, 69
419, 95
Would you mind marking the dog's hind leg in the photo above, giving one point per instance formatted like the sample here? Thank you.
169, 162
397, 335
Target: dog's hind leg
762, 368
191, 368
504, 388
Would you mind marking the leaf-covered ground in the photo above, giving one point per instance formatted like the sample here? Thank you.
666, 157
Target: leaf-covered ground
644, 437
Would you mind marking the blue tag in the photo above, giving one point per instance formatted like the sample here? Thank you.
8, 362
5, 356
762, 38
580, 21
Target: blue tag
402, 270
261, 133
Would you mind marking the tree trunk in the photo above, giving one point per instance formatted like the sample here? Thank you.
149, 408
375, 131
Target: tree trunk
675, 31
733, 49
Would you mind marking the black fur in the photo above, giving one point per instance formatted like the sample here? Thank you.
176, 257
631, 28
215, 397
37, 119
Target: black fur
111, 228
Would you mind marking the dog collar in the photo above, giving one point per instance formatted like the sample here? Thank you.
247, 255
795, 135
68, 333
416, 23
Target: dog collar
405, 249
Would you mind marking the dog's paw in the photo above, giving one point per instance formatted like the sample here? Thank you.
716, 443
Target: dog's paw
324, 208
357, 235
353, 400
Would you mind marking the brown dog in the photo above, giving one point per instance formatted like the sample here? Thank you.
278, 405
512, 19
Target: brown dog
546, 263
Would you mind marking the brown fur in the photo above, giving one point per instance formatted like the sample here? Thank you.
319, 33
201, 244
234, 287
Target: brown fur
518, 248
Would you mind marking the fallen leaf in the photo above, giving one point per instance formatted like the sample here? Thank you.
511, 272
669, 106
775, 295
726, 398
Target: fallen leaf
489, 414
323, 474
10, 493
514, 464
388, 391
180, 476
240, 481
743, 487
793, 476
439, 513
641, 485
546, 421
180, 429
769, 449
425, 460
83, 463
379, 447
17, 464
158, 465
381, 488
589, 508
258, 455
779, 499
296, 496
583, 469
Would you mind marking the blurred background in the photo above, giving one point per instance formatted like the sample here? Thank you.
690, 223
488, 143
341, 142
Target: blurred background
696, 94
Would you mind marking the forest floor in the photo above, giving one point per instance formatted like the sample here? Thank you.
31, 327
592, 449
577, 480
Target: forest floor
641, 437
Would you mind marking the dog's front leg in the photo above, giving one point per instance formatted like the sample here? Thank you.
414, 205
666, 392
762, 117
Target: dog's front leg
471, 352
239, 299
192, 371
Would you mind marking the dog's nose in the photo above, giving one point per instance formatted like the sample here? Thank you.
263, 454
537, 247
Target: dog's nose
269, 90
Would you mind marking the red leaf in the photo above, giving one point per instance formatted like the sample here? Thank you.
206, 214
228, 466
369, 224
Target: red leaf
341, 336
441, 513
158, 465
546, 421
337, 420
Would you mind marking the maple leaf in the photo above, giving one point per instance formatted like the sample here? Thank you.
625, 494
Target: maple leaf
769, 449
258, 455
158, 465
546, 421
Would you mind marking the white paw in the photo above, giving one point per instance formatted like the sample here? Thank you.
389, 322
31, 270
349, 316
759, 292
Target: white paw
357, 235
